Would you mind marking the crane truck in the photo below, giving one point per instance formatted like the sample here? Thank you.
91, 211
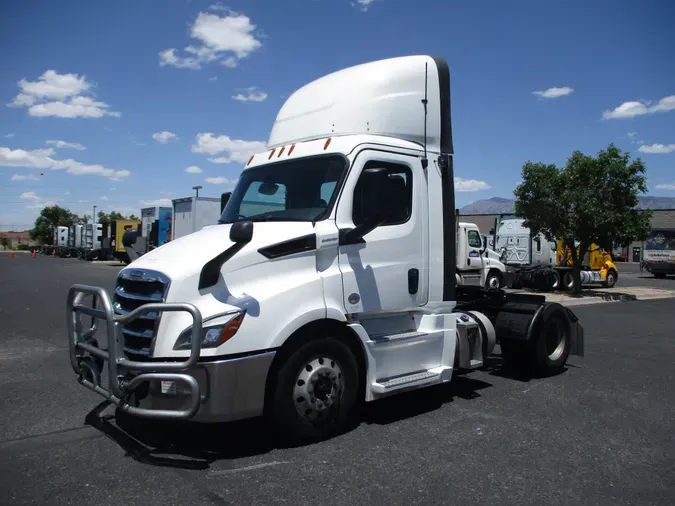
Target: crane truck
328, 280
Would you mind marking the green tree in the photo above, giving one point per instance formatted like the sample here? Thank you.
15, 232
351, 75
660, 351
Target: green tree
5, 242
50, 217
105, 218
590, 200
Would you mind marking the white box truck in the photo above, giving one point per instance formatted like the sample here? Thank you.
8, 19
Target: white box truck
328, 281
191, 214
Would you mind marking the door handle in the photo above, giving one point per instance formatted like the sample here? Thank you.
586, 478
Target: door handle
413, 281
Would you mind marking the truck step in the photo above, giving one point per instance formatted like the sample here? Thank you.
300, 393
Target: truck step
397, 337
388, 385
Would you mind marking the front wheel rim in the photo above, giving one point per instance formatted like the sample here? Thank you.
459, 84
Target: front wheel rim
318, 388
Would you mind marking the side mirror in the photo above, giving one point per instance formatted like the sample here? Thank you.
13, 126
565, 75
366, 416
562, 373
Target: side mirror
224, 198
375, 182
241, 232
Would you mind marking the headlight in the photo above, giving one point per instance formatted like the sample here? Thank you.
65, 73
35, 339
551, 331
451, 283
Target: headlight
212, 335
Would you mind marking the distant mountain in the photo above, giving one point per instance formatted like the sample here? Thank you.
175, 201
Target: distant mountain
499, 205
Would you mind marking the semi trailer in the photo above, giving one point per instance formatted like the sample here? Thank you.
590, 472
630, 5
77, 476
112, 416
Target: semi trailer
659, 253
191, 214
329, 279
533, 261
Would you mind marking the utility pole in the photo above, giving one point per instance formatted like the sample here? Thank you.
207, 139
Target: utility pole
93, 217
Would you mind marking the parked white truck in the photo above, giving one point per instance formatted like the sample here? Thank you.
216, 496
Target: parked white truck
328, 281
477, 263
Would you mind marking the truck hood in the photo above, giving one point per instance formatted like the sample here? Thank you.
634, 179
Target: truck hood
186, 256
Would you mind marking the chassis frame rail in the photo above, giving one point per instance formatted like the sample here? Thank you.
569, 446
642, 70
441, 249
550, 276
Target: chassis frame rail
86, 355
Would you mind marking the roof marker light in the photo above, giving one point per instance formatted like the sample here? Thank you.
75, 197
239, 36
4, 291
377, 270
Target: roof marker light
327, 144
271, 154
291, 150
250, 160
281, 151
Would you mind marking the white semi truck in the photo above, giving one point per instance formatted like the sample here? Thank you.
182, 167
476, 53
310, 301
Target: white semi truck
328, 281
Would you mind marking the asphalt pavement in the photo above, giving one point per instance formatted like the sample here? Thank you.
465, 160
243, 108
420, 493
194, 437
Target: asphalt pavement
603, 432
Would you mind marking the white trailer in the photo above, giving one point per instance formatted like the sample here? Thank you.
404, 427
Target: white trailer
342, 290
61, 237
191, 214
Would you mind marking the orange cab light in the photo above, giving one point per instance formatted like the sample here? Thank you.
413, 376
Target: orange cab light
250, 160
325, 146
281, 151
271, 154
291, 150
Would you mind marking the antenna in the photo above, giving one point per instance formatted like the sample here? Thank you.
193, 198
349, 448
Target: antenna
425, 161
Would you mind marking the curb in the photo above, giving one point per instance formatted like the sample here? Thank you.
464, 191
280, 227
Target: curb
627, 298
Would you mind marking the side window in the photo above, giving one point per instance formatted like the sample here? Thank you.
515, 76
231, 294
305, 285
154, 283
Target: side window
538, 241
257, 202
327, 190
473, 238
398, 194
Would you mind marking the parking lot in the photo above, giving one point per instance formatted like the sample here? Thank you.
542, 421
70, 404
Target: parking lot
603, 432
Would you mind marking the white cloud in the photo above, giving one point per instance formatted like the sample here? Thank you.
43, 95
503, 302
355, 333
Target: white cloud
213, 79
221, 180
363, 5
640, 108
29, 196
25, 177
193, 169
165, 193
158, 202
657, 148
252, 94
63, 144
9, 136
470, 185
554, 92
234, 150
665, 186
104, 198
60, 95
227, 39
164, 137
41, 159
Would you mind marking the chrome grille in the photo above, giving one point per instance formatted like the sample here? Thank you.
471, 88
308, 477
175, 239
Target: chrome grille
136, 287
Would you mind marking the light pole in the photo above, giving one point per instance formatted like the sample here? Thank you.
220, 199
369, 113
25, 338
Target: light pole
93, 217
194, 207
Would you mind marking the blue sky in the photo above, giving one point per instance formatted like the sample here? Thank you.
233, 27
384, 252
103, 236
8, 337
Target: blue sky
132, 123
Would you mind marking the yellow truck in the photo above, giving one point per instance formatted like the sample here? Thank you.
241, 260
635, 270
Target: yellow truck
597, 266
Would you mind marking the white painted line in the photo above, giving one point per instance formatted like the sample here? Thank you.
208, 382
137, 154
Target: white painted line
247, 468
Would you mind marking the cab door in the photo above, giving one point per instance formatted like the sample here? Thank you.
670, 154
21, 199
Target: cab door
388, 269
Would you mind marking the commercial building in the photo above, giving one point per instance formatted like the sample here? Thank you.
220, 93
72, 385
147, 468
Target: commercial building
485, 212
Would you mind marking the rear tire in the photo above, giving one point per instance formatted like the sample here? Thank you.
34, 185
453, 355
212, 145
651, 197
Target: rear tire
548, 350
316, 392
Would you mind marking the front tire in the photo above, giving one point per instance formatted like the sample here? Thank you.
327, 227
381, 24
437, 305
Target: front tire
610, 281
316, 392
493, 281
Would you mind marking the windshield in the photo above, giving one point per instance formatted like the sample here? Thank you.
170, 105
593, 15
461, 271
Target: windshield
295, 190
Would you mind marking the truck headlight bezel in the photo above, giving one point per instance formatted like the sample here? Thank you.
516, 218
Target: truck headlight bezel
213, 335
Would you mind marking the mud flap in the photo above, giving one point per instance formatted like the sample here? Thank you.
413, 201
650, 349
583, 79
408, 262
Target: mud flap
576, 334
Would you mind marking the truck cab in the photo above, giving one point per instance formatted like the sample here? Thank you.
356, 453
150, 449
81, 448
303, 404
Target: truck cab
328, 280
477, 263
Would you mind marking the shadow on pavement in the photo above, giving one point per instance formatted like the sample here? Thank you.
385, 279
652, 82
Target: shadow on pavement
196, 446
